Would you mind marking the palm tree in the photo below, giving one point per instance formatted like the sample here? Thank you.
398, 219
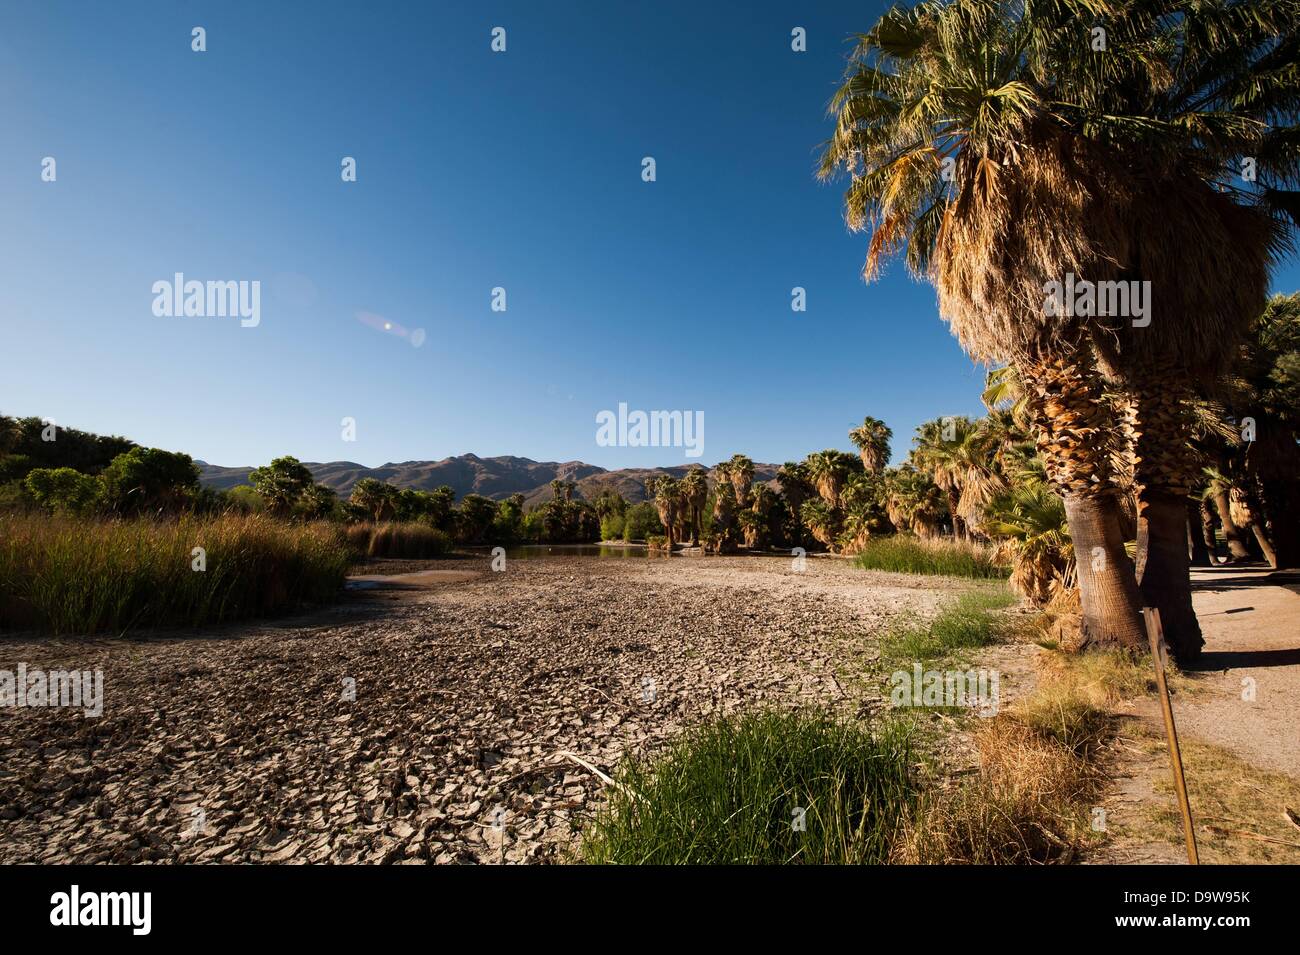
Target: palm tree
872, 440
959, 455
668, 502
695, 494
828, 470
740, 470
992, 146
913, 501
819, 517
796, 489
1030, 517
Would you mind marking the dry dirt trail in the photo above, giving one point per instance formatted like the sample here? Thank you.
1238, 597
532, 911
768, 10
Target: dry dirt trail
426, 723
1236, 713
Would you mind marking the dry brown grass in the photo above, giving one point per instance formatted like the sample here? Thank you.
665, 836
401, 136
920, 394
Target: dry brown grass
1237, 807
1040, 771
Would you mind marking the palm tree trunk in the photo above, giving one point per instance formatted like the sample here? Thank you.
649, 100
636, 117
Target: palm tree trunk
1108, 591
958, 525
1196, 546
1076, 434
1158, 425
1237, 549
1207, 531
1163, 571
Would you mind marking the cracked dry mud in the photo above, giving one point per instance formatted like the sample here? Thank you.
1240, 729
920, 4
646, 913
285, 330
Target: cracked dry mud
237, 744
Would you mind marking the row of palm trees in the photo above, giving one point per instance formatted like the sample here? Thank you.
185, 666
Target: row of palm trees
999, 147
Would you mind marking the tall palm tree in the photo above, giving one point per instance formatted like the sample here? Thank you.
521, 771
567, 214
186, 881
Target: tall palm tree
872, 441
668, 500
913, 501
959, 455
828, 470
796, 489
695, 494
998, 151
740, 469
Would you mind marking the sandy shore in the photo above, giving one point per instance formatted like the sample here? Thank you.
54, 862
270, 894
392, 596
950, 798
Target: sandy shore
241, 744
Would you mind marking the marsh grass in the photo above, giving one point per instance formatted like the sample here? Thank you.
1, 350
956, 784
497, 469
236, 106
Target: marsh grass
904, 554
64, 576
397, 539
731, 791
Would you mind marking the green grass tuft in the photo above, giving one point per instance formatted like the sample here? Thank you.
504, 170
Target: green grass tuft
728, 793
970, 623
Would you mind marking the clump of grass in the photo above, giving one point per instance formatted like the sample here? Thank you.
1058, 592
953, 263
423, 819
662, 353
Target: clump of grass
762, 788
904, 554
63, 576
398, 539
1028, 804
970, 623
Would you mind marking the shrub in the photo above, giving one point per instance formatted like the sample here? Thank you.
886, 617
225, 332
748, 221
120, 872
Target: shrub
611, 528
762, 788
912, 555
65, 576
641, 521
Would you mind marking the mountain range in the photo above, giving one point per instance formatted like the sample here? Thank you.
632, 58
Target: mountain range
496, 478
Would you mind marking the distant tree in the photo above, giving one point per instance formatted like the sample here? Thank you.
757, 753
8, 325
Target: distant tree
317, 502
149, 479
244, 499
475, 518
281, 483
872, 440
376, 499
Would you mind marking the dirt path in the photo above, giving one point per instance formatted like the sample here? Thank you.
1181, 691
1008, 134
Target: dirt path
1236, 717
424, 723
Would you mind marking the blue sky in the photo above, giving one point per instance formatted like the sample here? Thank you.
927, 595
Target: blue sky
475, 170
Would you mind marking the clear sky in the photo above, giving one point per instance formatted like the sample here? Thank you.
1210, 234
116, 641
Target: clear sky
475, 170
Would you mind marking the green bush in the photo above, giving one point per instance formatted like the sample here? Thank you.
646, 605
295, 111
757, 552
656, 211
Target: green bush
64, 576
611, 528
641, 521
764, 788
904, 554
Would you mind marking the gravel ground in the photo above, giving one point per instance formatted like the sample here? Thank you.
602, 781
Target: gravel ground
240, 744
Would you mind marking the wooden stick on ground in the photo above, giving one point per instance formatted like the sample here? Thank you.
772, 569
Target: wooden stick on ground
602, 776
1157, 637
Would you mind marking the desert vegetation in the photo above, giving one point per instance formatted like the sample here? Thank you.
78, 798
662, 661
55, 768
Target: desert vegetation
62, 575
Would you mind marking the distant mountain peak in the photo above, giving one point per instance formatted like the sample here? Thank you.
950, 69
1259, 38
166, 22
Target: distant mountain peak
495, 477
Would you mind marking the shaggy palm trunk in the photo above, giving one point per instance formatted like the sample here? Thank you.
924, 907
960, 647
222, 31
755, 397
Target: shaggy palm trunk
1108, 591
1237, 549
1157, 421
1196, 546
1075, 439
